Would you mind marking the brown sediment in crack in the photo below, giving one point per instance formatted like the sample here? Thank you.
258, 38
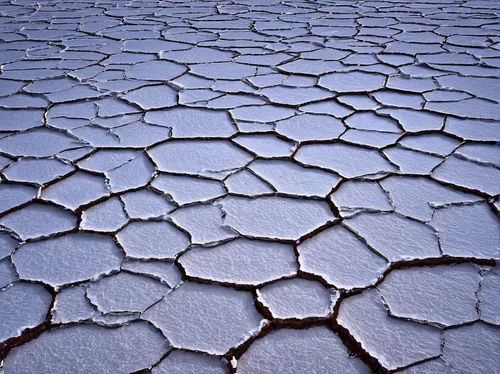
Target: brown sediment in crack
26, 336
354, 348
357, 349
29, 334
406, 264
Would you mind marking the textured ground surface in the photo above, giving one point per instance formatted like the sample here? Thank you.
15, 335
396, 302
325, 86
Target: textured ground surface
249, 186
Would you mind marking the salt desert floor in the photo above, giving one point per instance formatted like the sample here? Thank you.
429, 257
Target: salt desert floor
249, 186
